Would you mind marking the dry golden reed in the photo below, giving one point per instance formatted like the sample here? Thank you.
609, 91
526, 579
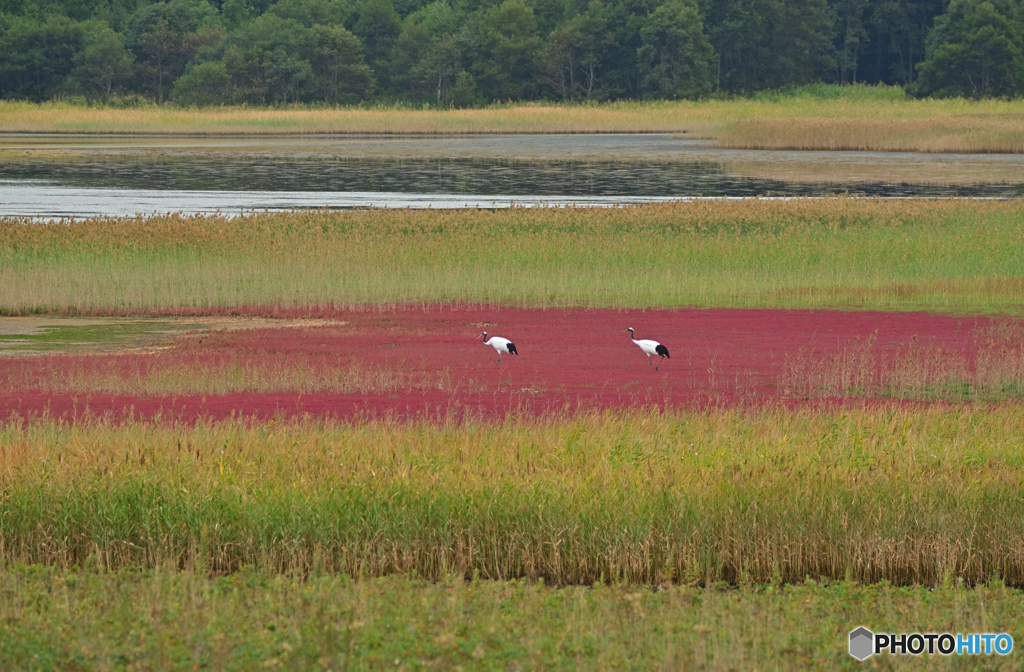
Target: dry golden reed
522, 118
898, 494
989, 368
878, 121
952, 134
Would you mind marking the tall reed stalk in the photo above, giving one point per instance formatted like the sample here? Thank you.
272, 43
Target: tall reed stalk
870, 494
942, 255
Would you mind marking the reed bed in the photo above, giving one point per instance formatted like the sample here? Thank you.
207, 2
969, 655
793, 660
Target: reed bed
877, 125
949, 255
166, 619
627, 117
953, 134
855, 118
989, 370
909, 496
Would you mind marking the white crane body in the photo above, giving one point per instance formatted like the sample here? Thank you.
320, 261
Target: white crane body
500, 345
650, 348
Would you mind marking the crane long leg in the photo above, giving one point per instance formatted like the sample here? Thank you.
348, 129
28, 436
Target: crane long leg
649, 362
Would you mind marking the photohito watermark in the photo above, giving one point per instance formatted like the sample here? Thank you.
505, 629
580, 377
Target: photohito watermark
864, 643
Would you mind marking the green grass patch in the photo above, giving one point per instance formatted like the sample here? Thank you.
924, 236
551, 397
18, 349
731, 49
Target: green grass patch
820, 91
83, 620
955, 256
61, 337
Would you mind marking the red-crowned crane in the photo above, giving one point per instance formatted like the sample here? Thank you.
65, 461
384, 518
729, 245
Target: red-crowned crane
650, 348
500, 344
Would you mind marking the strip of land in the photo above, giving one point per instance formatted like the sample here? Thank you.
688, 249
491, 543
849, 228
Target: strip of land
882, 120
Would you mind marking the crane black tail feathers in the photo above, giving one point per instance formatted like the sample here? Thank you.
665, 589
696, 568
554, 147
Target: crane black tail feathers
662, 350
512, 349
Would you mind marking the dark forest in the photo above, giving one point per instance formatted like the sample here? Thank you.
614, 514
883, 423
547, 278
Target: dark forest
463, 53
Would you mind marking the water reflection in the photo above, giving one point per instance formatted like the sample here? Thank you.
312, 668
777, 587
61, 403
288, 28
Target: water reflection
43, 201
60, 176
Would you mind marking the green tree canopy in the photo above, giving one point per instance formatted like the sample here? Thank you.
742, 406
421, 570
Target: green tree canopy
314, 12
976, 49
340, 73
206, 84
165, 36
572, 58
104, 64
468, 52
508, 47
676, 55
268, 59
377, 25
37, 57
768, 44
426, 57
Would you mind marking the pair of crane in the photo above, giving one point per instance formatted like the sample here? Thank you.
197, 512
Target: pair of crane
649, 347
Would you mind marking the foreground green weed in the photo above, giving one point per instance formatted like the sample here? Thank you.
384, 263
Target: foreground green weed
937, 255
870, 494
78, 620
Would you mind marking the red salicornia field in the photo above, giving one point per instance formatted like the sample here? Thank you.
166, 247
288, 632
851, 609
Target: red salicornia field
278, 440
425, 362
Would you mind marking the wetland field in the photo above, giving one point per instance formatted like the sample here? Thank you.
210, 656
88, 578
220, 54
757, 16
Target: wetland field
276, 440
60, 161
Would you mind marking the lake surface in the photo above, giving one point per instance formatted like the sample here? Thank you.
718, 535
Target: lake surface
81, 176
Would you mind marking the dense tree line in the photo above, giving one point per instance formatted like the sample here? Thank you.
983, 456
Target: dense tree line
467, 52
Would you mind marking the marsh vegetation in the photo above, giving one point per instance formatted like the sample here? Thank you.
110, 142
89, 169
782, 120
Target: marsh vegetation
831, 253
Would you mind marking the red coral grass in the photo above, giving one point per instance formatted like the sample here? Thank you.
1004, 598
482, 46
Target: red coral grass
426, 362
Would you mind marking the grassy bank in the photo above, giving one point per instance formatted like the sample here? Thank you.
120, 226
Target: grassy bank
169, 620
827, 118
939, 255
908, 496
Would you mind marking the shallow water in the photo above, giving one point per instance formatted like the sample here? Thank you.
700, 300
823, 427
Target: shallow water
82, 176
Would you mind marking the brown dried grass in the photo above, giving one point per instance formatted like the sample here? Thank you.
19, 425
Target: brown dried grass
872, 122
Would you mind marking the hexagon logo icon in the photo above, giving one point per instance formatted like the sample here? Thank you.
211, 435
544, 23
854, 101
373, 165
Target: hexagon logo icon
862, 643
